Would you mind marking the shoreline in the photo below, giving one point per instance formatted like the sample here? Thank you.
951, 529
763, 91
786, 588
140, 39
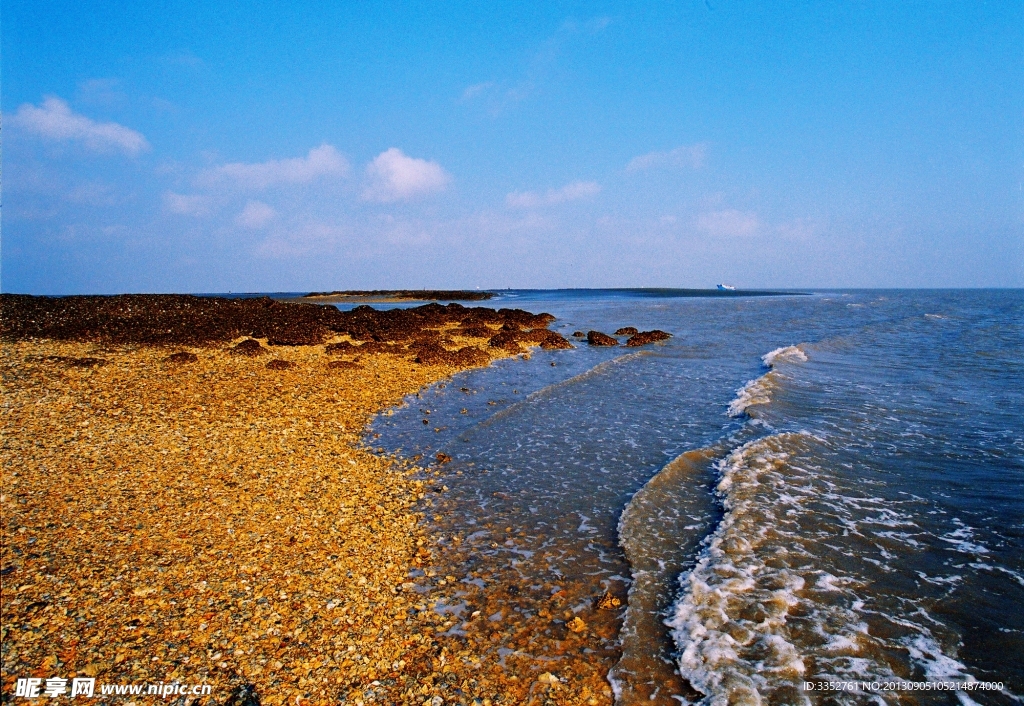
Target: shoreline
182, 512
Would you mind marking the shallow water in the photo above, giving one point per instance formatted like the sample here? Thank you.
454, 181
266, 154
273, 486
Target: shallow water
791, 489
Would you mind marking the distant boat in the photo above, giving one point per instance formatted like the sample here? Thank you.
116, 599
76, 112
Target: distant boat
727, 288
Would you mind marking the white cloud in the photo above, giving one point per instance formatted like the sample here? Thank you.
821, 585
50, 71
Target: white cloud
728, 223
394, 176
186, 204
692, 156
255, 215
570, 192
54, 120
321, 161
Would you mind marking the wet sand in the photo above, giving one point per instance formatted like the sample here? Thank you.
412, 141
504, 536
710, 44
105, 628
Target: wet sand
214, 520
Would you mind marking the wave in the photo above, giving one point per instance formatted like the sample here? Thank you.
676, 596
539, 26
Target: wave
792, 354
759, 391
771, 603
660, 531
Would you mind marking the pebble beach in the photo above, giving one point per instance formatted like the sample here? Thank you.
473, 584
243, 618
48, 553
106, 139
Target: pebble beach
193, 514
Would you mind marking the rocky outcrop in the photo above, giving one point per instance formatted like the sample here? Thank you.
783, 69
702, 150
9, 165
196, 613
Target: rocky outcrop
185, 320
182, 357
340, 348
627, 331
555, 341
645, 337
506, 341
249, 347
596, 338
473, 331
280, 365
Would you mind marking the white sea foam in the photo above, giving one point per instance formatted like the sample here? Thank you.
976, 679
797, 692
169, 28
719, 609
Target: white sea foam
729, 658
790, 354
759, 391
961, 539
937, 665
755, 392
771, 602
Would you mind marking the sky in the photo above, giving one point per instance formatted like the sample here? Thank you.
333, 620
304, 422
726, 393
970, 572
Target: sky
232, 146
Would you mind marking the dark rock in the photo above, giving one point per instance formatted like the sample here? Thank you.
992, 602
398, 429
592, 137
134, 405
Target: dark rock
443, 458
280, 365
433, 354
555, 342
250, 347
185, 320
473, 331
340, 348
470, 356
506, 341
578, 334
430, 353
343, 364
182, 357
645, 337
70, 362
627, 331
596, 338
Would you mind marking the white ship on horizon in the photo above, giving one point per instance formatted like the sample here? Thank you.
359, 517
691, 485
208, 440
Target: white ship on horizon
727, 288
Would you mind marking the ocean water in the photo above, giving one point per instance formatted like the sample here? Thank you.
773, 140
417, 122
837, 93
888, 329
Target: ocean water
799, 488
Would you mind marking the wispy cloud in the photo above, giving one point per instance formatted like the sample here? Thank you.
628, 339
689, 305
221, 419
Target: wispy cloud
186, 204
570, 192
255, 215
476, 89
394, 176
54, 120
499, 96
728, 223
322, 161
692, 156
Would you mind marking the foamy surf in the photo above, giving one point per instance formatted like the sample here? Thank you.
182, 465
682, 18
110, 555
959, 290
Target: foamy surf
771, 603
759, 390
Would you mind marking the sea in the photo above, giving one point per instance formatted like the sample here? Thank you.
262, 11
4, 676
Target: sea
809, 497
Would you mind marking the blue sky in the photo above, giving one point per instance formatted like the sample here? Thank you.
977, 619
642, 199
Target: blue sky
207, 147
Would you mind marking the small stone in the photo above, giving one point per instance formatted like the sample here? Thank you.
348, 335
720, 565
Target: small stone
576, 625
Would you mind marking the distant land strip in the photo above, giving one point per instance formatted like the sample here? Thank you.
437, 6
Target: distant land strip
404, 295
